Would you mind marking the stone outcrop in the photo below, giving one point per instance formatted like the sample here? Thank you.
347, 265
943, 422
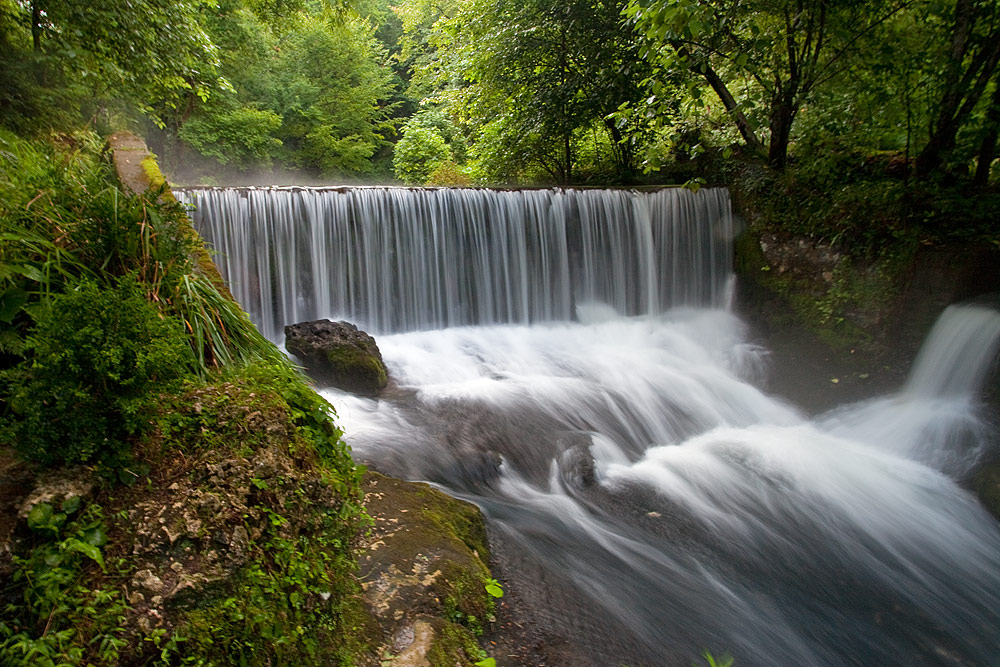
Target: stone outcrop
423, 571
185, 536
338, 354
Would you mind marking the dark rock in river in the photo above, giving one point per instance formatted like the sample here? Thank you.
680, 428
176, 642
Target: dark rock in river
338, 354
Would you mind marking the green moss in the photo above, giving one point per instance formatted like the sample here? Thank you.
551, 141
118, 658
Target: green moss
454, 645
461, 520
217, 416
846, 309
466, 601
294, 603
444, 536
357, 365
158, 182
155, 177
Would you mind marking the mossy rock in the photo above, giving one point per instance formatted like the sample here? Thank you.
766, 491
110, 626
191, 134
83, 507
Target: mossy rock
423, 568
338, 354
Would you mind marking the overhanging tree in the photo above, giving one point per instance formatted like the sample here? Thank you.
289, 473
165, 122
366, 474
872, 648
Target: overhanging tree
762, 58
971, 30
150, 53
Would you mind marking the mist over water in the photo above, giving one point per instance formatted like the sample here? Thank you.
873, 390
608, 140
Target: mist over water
649, 502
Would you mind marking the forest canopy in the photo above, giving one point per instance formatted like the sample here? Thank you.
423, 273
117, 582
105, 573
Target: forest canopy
536, 91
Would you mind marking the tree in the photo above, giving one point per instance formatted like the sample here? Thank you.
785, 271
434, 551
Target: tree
419, 153
330, 80
970, 64
306, 90
760, 53
152, 54
539, 75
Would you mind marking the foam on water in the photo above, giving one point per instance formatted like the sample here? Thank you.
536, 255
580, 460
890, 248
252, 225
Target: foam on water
635, 470
562, 359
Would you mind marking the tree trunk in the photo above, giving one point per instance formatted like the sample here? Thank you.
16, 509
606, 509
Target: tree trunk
622, 152
963, 86
567, 169
988, 145
780, 122
36, 27
727, 99
732, 107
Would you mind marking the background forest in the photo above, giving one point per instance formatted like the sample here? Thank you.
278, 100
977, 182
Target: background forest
871, 127
863, 123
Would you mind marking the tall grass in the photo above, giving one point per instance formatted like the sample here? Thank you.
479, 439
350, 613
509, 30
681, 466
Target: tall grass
63, 219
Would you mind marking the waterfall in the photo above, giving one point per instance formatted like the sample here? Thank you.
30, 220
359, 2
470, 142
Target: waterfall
405, 259
959, 352
645, 498
936, 419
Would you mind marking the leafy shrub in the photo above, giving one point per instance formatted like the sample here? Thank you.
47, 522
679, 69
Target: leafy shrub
96, 360
242, 136
449, 174
56, 620
418, 154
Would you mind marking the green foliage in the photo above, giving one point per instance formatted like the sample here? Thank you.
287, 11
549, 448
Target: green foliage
220, 332
449, 174
294, 603
307, 91
313, 418
71, 60
96, 359
533, 80
419, 154
712, 661
241, 136
56, 619
889, 75
494, 588
64, 221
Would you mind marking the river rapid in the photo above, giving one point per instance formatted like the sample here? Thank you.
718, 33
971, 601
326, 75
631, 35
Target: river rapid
568, 361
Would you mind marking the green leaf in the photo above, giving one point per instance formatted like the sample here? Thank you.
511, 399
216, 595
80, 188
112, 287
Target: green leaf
11, 301
71, 504
95, 537
40, 517
488, 662
88, 550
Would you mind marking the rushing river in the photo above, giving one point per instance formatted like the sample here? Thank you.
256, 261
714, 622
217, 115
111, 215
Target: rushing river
647, 496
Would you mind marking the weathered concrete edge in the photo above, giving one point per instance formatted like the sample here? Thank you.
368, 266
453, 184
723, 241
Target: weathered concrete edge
138, 172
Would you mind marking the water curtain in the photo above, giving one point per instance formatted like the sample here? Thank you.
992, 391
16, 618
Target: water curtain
405, 259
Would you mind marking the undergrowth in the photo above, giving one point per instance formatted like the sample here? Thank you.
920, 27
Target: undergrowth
119, 352
60, 618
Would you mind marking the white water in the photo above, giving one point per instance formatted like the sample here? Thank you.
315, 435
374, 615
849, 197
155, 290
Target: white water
399, 259
647, 500
714, 516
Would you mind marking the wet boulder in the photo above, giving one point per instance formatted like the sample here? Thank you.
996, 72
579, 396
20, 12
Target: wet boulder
338, 354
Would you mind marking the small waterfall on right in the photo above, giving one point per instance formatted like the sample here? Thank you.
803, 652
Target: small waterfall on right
935, 419
958, 354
